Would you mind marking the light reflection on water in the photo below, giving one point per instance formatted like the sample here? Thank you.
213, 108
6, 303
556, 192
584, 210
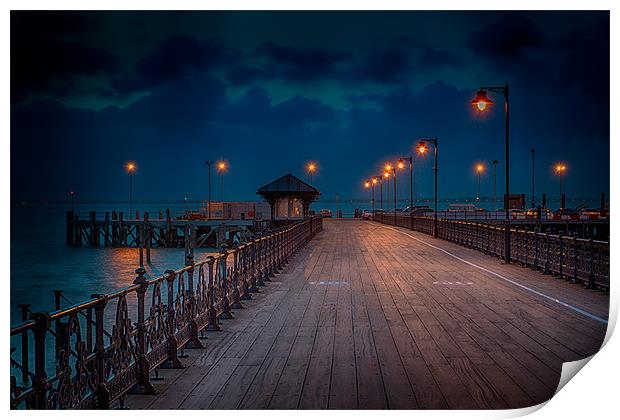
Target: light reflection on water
41, 262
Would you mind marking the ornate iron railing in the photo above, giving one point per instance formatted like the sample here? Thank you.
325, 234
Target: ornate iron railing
578, 260
107, 346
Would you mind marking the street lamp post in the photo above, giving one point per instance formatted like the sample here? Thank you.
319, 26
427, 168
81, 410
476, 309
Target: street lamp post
401, 165
391, 169
379, 178
221, 168
131, 168
71, 194
495, 162
560, 169
311, 168
371, 185
482, 102
209, 163
479, 171
533, 173
422, 149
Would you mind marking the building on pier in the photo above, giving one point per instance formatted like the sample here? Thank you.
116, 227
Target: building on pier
289, 198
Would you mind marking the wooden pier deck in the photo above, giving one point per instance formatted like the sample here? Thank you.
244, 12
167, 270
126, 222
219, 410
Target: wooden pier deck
370, 316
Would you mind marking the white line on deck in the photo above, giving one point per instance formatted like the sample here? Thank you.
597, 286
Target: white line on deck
516, 283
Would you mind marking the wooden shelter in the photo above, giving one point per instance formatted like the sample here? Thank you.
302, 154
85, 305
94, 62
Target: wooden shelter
289, 198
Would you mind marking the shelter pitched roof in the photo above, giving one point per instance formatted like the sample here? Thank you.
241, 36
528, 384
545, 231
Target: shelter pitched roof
288, 183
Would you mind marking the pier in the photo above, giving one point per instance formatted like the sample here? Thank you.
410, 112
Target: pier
116, 229
330, 314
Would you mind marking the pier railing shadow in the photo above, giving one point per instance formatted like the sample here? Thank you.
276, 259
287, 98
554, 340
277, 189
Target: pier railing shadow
92, 354
578, 260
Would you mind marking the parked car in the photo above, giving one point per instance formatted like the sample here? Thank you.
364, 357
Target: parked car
326, 213
545, 214
422, 210
593, 214
566, 214
367, 214
516, 214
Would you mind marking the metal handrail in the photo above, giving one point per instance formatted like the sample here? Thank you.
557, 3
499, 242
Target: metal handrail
576, 259
93, 368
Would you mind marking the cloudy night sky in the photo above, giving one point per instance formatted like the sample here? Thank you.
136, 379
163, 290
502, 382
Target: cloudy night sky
268, 91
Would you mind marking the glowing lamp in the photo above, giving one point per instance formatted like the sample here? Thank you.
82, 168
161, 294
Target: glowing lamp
481, 101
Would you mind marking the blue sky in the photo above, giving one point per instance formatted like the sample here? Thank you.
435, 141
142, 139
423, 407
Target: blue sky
268, 91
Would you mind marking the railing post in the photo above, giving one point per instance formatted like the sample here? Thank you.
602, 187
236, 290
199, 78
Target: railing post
225, 309
102, 391
194, 342
252, 269
591, 283
547, 254
560, 259
281, 249
173, 361
270, 254
260, 253
147, 236
245, 271
536, 250
575, 256
58, 325
236, 294
40, 383
213, 323
143, 386
25, 310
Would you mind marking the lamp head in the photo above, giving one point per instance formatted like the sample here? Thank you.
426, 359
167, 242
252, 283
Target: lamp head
481, 102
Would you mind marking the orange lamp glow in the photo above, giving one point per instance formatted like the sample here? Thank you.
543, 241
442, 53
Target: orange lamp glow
131, 167
222, 166
386, 175
374, 181
480, 168
367, 184
311, 167
401, 164
560, 168
481, 101
422, 148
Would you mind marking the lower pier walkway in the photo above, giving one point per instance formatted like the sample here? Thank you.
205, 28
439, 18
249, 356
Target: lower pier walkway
371, 316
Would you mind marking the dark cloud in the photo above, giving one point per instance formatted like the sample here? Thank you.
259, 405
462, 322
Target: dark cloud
255, 109
432, 58
183, 112
175, 58
43, 64
390, 65
506, 39
243, 75
301, 63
